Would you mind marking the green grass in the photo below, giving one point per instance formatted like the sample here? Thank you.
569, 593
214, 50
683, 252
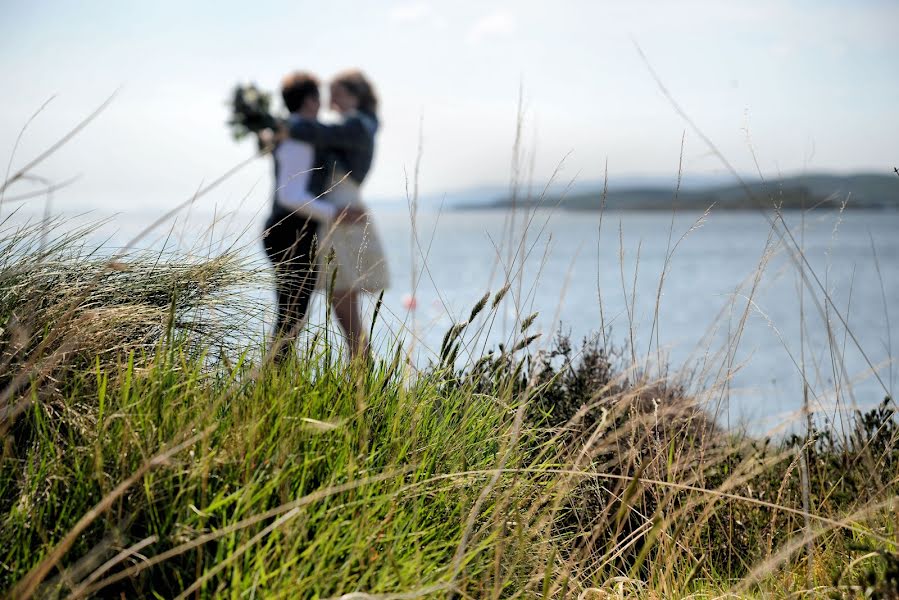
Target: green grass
144, 455
313, 474
387, 461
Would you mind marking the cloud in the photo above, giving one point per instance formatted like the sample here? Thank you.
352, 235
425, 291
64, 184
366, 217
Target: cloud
493, 25
416, 14
411, 12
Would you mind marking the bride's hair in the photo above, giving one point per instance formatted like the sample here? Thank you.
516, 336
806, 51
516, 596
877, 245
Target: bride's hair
296, 87
359, 86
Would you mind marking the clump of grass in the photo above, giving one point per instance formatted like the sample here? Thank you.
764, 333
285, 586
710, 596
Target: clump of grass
64, 304
660, 494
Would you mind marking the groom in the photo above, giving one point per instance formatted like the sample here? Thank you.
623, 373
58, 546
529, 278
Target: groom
289, 236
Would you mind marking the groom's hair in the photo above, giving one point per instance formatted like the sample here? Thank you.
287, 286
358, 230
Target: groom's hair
296, 87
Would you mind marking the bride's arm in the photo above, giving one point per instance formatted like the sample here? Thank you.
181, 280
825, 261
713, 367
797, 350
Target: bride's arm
349, 134
321, 211
327, 213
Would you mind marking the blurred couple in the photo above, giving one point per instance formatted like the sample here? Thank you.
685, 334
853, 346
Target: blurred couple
319, 233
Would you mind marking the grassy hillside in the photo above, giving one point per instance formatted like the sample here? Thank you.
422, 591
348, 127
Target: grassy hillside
146, 455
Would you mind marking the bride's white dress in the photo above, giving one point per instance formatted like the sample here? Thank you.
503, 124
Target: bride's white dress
350, 254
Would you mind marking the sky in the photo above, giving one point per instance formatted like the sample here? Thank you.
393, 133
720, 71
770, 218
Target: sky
792, 86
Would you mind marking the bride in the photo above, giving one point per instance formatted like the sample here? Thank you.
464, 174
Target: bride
350, 252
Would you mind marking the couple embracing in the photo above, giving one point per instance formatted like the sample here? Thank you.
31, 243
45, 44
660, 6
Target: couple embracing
319, 233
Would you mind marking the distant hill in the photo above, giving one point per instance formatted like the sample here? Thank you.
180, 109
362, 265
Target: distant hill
484, 196
858, 191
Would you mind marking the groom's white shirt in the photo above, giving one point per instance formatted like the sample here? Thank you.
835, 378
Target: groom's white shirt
295, 162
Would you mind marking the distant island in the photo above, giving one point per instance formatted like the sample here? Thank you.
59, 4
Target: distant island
858, 191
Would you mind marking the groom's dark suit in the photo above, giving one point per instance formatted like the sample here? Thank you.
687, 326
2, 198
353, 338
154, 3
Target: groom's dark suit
290, 243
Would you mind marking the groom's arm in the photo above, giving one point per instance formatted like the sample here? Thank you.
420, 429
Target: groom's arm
349, 134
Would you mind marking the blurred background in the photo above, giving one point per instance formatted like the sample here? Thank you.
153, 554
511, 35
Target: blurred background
524, 95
